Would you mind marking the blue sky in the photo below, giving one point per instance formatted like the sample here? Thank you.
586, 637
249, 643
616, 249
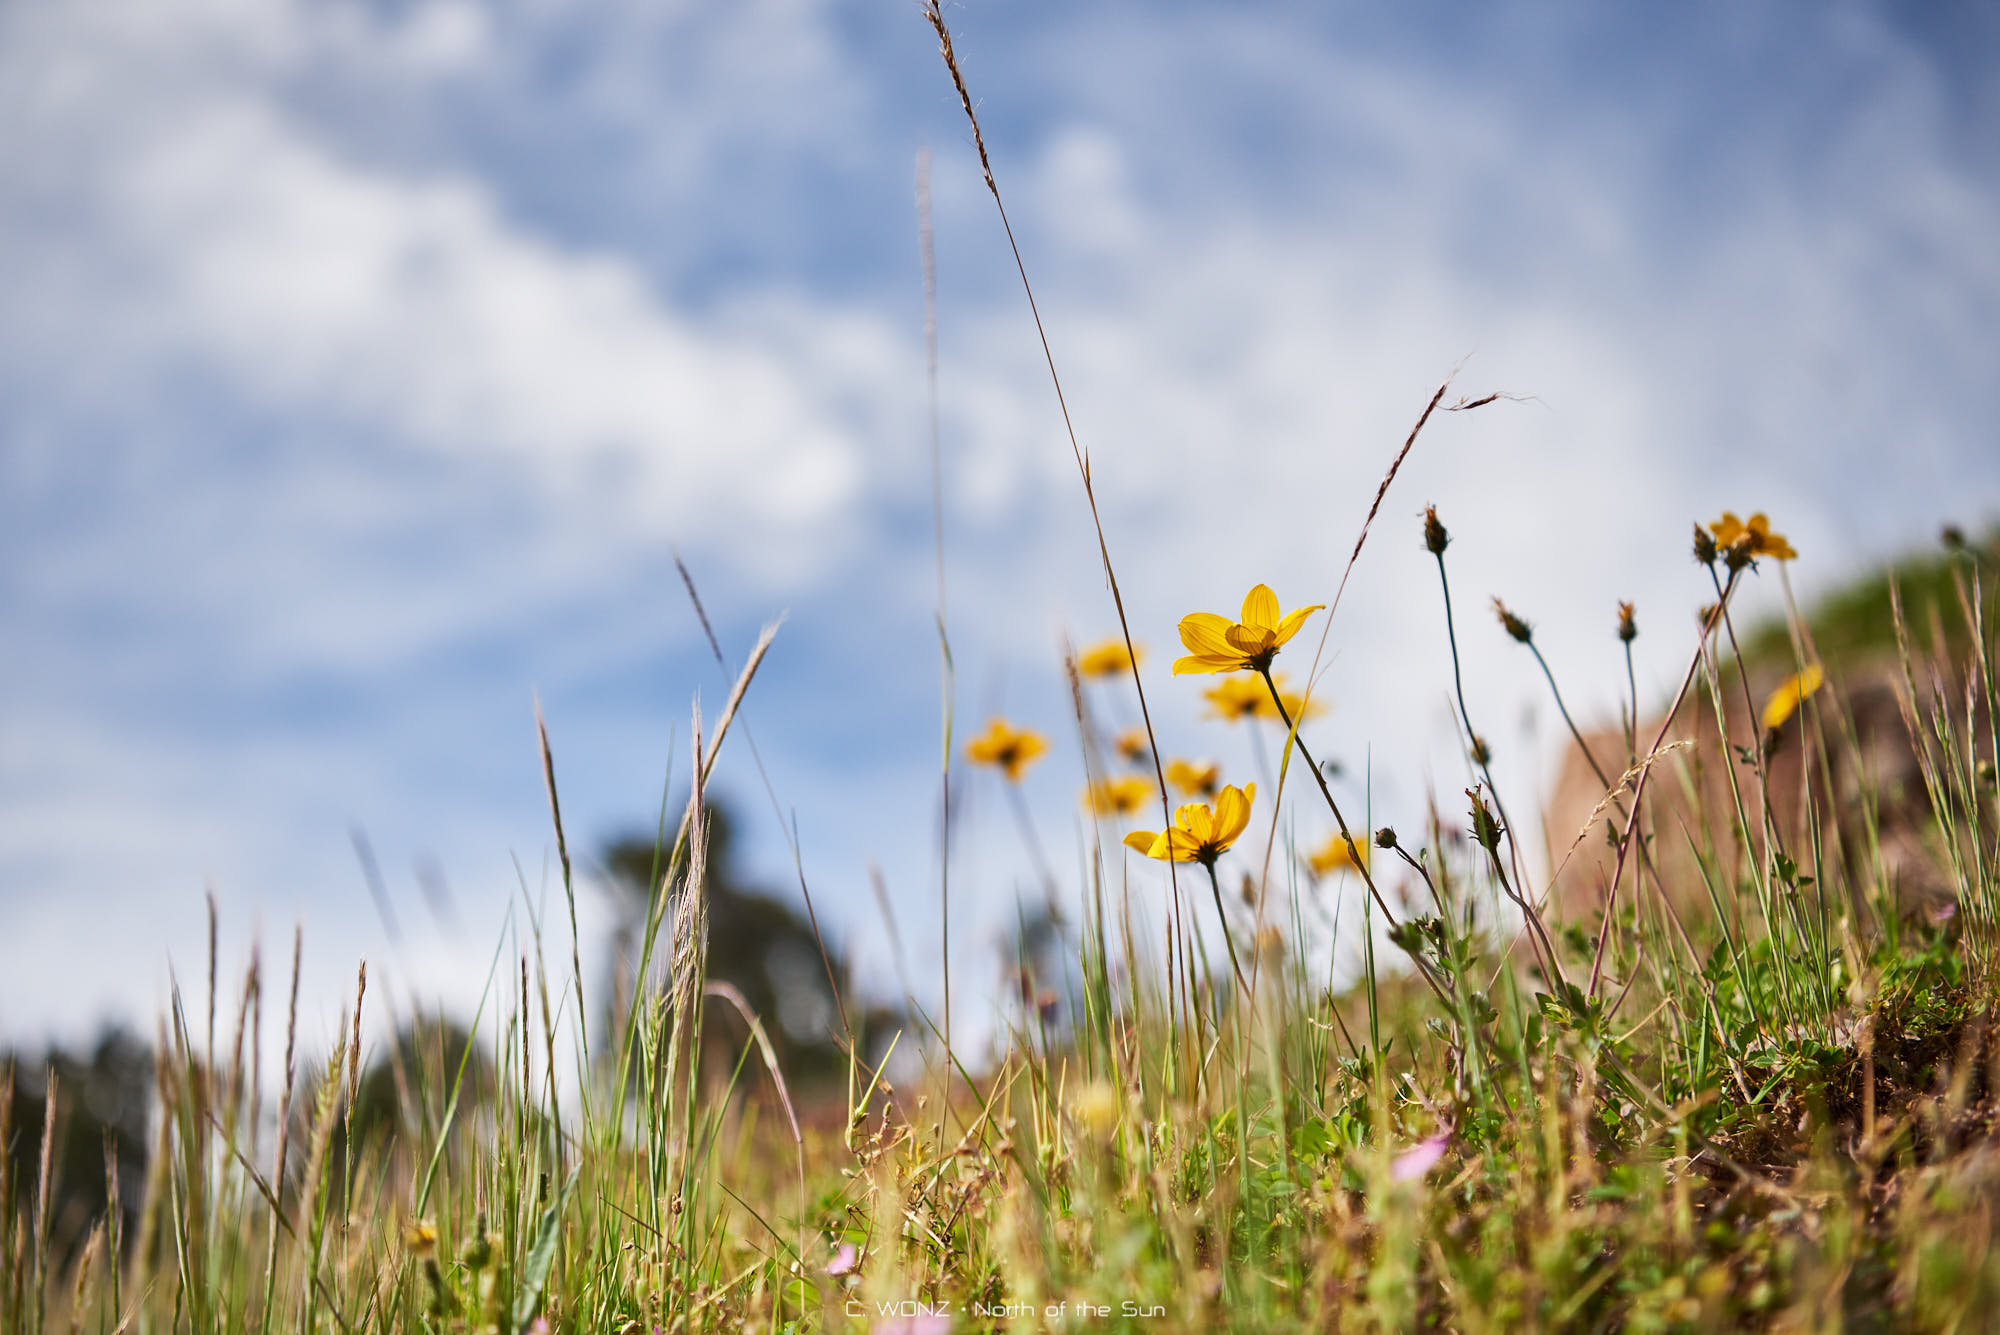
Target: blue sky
365, 366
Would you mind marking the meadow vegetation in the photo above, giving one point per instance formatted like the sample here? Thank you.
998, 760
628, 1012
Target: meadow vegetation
1743, 1078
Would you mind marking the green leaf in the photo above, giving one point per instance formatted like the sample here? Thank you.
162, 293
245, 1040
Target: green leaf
541, 1255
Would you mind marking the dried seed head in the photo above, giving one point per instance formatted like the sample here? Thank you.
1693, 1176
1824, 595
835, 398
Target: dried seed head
1385, 838
1704, 546
1482, 754
1628, 629
1514, 626
1485, 829
1435, 538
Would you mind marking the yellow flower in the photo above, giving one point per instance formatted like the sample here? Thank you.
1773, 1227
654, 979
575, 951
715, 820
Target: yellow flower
1109, 658
1098, 1108
1296, 706
1120, 795
1753, 536
1236, 698
1009, 749
1200, 833
1334, 854
1785, 701
1217, 644
1132, 745
1194, 780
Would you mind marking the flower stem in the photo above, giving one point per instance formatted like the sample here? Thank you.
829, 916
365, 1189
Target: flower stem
1353, 850
1563, 709
1228, 940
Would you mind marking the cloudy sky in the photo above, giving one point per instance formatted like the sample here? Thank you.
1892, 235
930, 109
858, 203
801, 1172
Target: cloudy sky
363, 366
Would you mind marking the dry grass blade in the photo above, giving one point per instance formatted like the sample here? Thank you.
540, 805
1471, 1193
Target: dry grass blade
1611, 796
722, 722
569, 887
935, 16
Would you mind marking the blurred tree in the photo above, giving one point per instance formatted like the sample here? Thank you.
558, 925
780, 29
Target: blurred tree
104, 1100
759, 944
401, 1096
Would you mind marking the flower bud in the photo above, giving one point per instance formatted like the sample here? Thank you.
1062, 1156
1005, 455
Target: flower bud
1385, 838
1704, 546
1513, 625
1435, 538
1485, 829
1628, 629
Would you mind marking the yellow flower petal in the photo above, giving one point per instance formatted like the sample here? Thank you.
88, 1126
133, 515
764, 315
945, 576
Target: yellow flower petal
1232, 813
1142, 840
1249, 641
1785, 701
1207, 663
1205, 633
1195, 820
1260, 608
1293, 620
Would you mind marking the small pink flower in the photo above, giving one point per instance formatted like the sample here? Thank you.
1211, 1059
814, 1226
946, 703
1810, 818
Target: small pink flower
844, 1261
1419, 1159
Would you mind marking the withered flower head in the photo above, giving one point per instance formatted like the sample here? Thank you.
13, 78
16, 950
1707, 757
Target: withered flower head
1514, 626
1704, 546
1435, 538
1628, 629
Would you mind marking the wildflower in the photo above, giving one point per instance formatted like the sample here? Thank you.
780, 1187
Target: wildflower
1297, 707
1217, 644
1236, 698
844, 1261
1435, 538
1750, 538
1132, 745
1628, 629
1007, 748
1200, 833
420, 1237
1118, 795
1419, 1159
1192, 779
1109, 657
1098, 1107
1335, 854
1784, 702
1513, 625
